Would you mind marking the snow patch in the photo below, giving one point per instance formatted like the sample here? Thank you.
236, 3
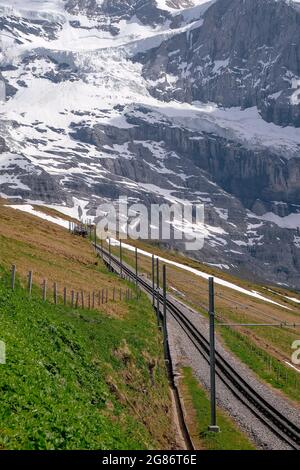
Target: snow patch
199, 273
291, 221
30, 210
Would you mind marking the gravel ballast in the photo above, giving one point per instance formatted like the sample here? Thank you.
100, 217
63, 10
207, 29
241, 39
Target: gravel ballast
183, 352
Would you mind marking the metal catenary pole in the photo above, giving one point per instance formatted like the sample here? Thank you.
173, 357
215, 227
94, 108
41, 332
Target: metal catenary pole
121, 259
136, 268
109, 250
153, 280
165, 329
213, 415
157, 287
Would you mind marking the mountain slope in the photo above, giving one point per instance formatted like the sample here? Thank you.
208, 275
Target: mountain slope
235, 58
75, 378
103, 101
67, 388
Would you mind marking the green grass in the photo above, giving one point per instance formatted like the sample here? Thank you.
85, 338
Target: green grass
230, 437
80, 379
263, 364
278, 338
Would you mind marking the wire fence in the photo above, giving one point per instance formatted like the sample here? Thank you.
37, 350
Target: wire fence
76, 298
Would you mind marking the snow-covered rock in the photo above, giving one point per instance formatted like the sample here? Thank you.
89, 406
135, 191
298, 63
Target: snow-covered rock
160, 100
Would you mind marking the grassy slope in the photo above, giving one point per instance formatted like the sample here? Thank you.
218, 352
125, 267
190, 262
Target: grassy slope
266, 348
198, 408
263, 364
75, 379
80, 379
53, 254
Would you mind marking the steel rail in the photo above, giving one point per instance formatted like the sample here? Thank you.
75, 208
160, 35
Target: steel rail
280, 425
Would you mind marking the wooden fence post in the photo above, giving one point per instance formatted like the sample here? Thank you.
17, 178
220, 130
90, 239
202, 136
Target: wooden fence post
13, 276
93, 301
55, 293
82, 299
72, 298
44, 290
77, 300
99, 298
65, 296
30, 282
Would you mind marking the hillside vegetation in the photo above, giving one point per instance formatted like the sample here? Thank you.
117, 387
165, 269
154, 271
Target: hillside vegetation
52, 253
265, 349
197, 405
75, 379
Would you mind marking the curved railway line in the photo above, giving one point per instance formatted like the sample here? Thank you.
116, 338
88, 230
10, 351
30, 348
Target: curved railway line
281, 426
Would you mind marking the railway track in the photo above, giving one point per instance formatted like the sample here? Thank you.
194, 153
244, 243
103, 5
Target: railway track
280, 425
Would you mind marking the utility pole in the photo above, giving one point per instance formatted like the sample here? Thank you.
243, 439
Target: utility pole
213, 415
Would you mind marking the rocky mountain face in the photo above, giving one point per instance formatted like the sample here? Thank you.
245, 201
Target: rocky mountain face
110, 12
145, 10
245, 53
161, 101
